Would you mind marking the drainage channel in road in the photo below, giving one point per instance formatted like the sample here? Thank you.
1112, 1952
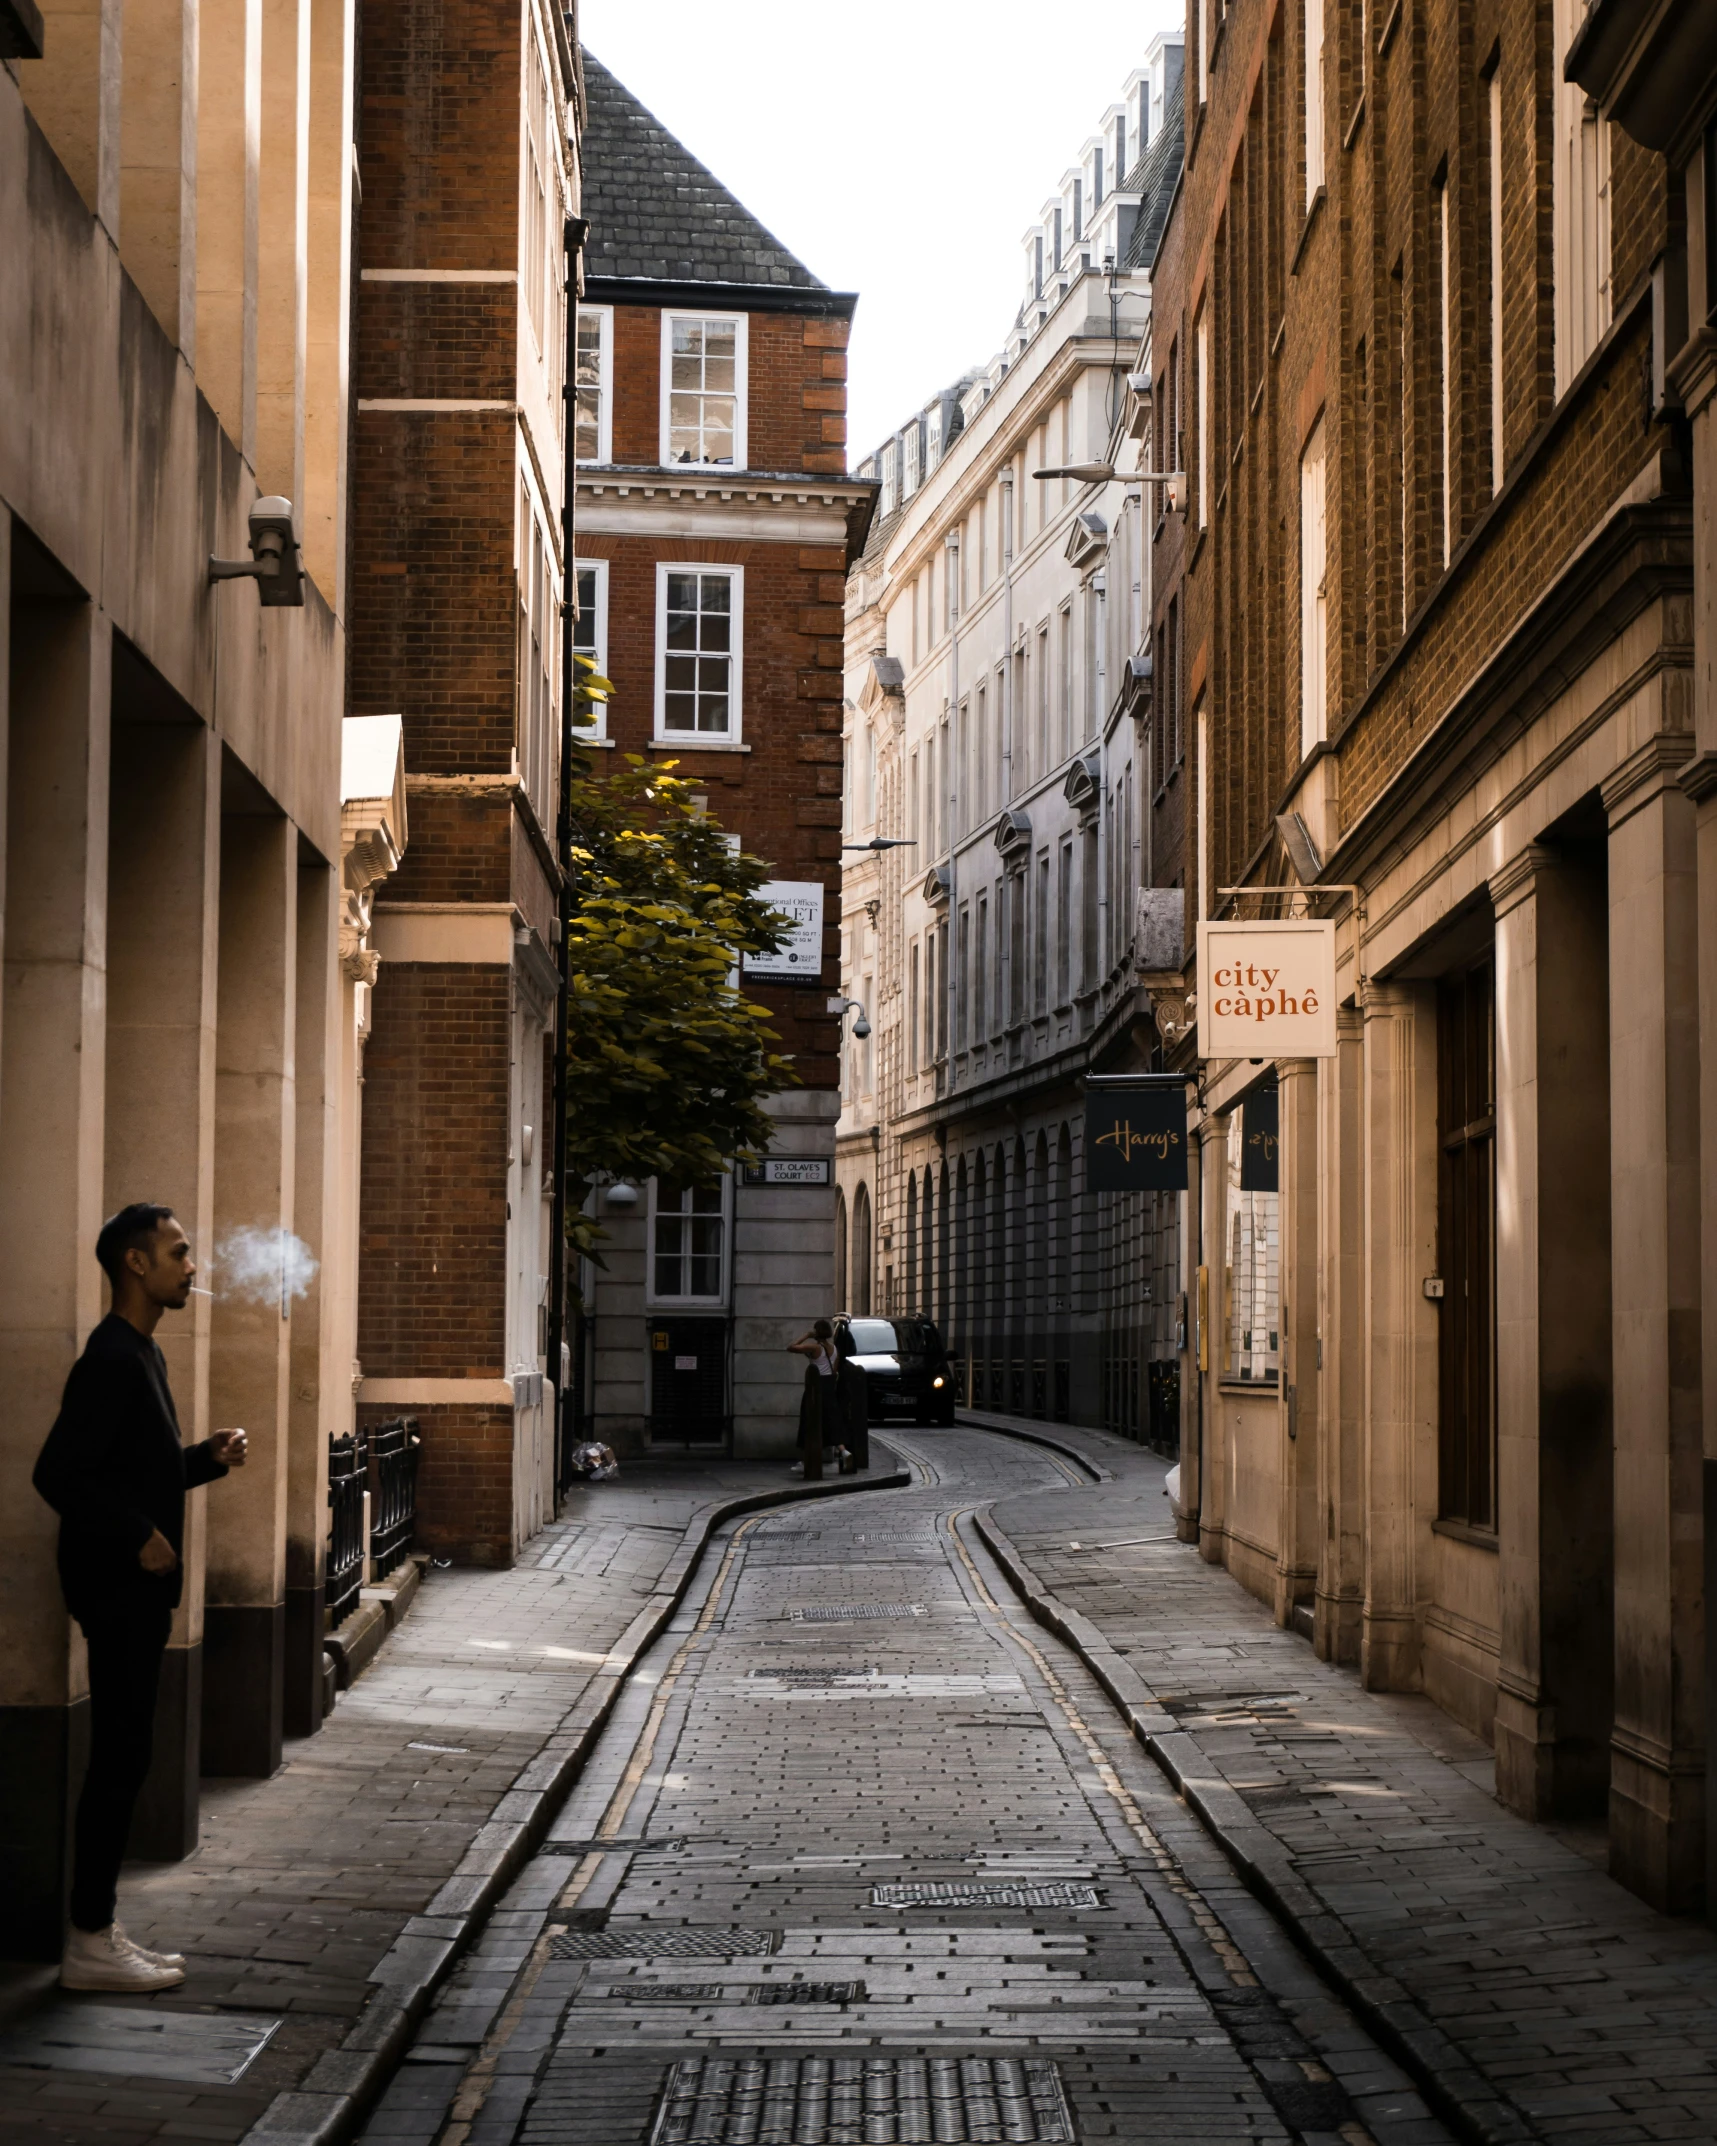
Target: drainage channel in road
866, 1856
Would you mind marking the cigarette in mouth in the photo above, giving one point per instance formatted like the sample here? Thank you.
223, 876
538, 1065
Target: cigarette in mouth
196, 1292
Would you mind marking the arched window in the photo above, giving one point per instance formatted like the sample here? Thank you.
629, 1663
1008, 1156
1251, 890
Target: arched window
1062, 1288
840, 1250
941, 1299
962, 1266
861, 1252
1037, 1241
980, 1299
911, 1299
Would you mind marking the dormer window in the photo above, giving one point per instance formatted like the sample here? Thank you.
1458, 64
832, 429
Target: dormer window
1096, 178
703, 390
1121, 150
1078, 210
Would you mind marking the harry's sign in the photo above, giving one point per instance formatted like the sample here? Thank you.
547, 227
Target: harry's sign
1135, 1136
1266, 990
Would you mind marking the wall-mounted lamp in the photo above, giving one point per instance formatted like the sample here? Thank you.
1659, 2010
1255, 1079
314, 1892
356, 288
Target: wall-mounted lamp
885, 842
619, 1195
273, 564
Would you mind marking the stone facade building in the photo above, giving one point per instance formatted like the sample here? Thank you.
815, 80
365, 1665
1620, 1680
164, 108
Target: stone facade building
1421, 343
466, 138
191, 841
998, 670
716, 522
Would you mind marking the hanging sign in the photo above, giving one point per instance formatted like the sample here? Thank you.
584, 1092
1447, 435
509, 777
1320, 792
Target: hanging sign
1266, 990
1260, 1141
799, 957
1135, 1137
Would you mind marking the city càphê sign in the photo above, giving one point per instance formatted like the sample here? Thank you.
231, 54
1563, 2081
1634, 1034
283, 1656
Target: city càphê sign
1266, 990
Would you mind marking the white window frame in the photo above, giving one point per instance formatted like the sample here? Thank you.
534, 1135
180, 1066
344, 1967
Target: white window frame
741, 384
598, 729
718, 1302
1313, 56
1580, 215
604, 384
1202, 332
734, 732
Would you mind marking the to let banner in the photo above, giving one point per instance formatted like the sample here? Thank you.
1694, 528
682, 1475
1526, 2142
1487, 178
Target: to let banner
1266, 990
1135, 1138
799, 957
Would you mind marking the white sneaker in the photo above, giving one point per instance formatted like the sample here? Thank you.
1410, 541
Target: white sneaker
104, 1960
127, 1943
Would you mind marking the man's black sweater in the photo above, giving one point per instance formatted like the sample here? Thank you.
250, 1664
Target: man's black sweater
114, 1469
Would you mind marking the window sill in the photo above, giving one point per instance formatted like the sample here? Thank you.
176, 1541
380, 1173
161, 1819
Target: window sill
1355, 123
578, 738
1316, 203
1232, 1385
1464, 1531
697, 745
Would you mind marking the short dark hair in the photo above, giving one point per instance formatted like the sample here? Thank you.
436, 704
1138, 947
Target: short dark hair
133, 1226
823, 1330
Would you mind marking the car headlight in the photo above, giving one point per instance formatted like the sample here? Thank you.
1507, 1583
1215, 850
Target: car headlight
938, 1380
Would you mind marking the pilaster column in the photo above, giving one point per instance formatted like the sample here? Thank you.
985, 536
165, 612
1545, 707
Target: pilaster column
1554, 1464
1213, 1457
1400, 1326
1297, 1532
163, 905
1340, 1347
51, 1063
1657, 1779
244, 1620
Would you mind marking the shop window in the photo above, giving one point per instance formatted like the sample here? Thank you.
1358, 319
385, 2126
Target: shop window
1252, 1248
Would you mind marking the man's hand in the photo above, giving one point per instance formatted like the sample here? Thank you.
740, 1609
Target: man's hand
228, 1447
157, 1554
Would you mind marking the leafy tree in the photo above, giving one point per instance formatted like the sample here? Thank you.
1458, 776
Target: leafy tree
668, 1064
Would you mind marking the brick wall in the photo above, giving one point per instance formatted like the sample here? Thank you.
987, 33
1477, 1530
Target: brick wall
464, 1480
432, 1237
796, 390
1340, 310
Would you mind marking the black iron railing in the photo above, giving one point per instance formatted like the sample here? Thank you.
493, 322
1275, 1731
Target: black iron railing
347, 1480
393, 1492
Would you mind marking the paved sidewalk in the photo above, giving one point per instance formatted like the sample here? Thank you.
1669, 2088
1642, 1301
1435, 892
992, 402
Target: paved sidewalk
302, 1883
1544, 2001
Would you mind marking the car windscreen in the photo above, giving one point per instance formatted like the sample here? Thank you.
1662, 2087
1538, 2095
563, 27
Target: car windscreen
873, 1337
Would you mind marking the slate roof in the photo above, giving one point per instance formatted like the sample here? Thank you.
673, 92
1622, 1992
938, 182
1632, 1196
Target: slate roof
656, 212
1153, 179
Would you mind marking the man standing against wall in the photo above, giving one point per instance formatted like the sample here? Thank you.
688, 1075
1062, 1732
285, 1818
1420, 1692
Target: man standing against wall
115, 1471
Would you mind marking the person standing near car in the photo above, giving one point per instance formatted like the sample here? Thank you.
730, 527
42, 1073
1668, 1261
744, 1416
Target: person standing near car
116, 1471
819, 1412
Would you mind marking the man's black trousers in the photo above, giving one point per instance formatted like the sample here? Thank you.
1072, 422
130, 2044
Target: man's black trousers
125, 1650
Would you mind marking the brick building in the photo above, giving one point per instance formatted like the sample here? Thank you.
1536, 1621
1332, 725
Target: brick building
998, 680
715, 517
1416, 316
458, 454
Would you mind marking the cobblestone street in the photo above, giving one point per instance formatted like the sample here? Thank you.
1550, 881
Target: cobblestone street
948, 1811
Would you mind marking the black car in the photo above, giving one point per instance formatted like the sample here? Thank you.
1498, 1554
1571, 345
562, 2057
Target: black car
905, 1366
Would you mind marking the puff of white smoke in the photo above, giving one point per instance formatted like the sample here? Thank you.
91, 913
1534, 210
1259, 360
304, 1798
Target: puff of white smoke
263, 1266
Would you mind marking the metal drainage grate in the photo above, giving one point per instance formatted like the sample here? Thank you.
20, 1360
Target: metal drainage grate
1054, 1895
670, 1942
804, 2101
839, 1612
806, 1993
751, 1993
832, 1675
634, 1846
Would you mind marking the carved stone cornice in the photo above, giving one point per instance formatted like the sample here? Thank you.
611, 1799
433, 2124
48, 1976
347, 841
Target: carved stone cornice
1512, 885
1699, 778
1645, 773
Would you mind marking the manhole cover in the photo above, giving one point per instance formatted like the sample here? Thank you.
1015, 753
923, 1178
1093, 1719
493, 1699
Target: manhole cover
670, 1942
839, 1612
803, 2101
984, 1896
203, 2048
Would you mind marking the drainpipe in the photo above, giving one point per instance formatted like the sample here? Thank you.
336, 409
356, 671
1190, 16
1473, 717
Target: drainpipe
1010, 713
951, 783
576, 229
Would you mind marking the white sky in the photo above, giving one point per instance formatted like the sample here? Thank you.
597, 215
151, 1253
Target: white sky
900, 148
